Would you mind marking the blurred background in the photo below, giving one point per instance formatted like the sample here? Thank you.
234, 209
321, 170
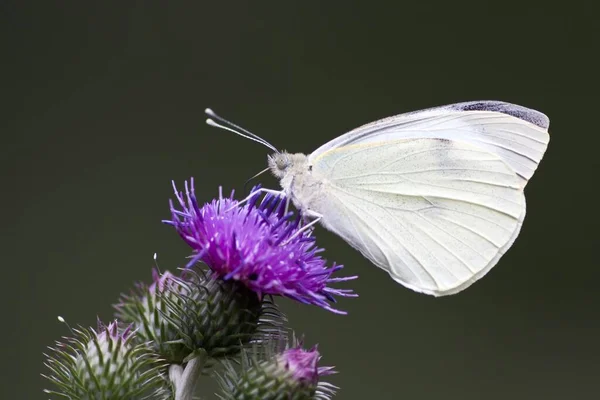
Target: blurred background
102, 105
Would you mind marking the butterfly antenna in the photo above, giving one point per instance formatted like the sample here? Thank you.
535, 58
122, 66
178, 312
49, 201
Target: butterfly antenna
238, 130
248, 181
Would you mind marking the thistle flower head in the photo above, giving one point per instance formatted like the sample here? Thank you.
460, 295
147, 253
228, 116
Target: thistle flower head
198, 312
302, 364
146, 309
257, 244
104, 363
160, 281
277, 373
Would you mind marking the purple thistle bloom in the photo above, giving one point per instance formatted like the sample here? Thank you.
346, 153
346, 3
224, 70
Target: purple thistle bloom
302, 364
258, 244
160, 281
277, 372
112, 332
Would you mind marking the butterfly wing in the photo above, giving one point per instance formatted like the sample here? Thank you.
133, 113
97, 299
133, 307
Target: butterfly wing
436, 214
516, 134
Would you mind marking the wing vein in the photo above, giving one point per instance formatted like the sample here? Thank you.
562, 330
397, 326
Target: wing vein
428, 250
421, 171
399, 241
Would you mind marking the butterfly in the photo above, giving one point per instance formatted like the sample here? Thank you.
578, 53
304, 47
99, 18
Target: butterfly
434, 197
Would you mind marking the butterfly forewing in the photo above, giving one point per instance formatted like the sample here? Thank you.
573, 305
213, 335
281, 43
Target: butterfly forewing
516, 134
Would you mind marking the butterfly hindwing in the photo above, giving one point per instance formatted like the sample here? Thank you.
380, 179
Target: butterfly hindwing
436, 214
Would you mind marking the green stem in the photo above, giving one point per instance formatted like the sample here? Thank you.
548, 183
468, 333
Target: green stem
185, 379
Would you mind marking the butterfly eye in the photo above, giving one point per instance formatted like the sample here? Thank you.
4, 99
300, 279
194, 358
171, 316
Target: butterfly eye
282, 163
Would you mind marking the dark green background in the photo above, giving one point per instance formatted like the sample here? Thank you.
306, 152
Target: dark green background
103, 106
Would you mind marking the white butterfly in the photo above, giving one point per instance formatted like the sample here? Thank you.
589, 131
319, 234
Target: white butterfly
433, 197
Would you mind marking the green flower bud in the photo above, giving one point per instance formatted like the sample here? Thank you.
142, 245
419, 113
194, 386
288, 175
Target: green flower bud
198, 312
291, 374
105, 364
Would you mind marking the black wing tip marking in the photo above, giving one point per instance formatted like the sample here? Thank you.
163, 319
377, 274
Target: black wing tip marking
526, 114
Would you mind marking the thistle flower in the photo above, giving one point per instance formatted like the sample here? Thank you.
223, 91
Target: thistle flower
291, 374
257, 244
105, 364
147, 310
200, 312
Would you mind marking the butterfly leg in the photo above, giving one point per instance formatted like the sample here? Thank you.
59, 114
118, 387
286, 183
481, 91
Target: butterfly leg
307, 213
262, 190
287, 205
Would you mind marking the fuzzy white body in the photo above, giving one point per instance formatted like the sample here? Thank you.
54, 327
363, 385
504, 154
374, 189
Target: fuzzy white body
305, 188
435, 197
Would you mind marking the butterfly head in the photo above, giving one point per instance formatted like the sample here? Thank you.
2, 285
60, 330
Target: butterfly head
279, 163
283, 163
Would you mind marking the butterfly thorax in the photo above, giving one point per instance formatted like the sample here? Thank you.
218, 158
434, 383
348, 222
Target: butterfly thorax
295, 177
